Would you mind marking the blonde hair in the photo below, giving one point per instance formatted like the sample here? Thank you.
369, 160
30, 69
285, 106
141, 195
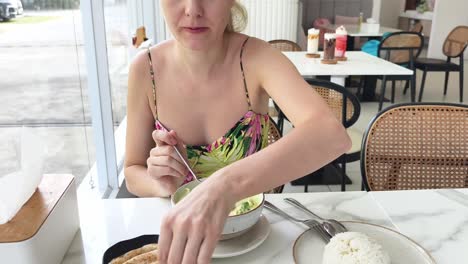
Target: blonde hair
238, 18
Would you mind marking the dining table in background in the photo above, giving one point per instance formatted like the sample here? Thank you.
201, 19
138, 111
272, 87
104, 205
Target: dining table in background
358, 63
436, 219
355, 31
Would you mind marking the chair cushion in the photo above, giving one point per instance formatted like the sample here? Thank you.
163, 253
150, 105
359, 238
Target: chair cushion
435, 64
371, 47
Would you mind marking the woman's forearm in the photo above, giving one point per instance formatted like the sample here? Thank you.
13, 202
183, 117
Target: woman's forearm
307, 148
141, 184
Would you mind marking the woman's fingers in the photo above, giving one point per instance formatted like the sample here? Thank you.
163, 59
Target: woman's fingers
188, 235
169, 162
180, 146
167, 150
207, 248
165, 239
195, 224
163, 138
192, 248
158, 172
179, 240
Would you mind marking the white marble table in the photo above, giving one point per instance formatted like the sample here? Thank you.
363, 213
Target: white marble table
358, 63
438, 220
356, 31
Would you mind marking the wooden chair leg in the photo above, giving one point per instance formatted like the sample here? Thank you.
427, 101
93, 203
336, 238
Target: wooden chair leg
382, 95
446, 82
393, 92
422, 86
461, 86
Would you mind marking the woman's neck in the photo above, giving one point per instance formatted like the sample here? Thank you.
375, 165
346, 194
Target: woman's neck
203, 63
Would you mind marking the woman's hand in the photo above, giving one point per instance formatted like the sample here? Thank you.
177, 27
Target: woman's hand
190, 231
164, 165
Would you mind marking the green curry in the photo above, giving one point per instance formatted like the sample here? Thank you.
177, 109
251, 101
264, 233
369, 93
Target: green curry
241, 207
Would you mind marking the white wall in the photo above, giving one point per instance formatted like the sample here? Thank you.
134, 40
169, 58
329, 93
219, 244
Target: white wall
447, 15
390, 10
376, 10
272, 19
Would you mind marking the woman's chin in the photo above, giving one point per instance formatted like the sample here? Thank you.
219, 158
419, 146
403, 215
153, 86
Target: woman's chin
197, 45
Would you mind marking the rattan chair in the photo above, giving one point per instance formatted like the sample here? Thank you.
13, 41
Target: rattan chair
348, 113
283, 45
273, 136
416, 146
401, 48
417, 27
454, 47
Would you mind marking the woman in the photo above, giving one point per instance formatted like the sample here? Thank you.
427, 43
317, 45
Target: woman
194, 88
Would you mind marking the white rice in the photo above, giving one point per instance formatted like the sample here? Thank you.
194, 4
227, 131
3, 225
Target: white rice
354, 248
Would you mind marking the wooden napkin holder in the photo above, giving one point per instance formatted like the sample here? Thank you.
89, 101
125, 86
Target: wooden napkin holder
42, 231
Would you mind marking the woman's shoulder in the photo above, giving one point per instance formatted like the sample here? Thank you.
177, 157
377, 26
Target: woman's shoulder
252, 44
155, 54
140, 66
258, 52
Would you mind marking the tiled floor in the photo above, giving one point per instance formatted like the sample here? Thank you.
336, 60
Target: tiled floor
433, 92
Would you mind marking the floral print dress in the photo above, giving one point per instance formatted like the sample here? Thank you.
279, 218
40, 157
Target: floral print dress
247, 136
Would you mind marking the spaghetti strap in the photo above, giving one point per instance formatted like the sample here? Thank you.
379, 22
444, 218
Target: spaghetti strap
153, 83
243, 75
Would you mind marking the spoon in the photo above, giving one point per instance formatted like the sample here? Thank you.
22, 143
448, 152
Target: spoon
186, 164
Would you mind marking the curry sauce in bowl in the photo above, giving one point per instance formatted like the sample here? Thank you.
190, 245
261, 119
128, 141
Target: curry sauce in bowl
244, 215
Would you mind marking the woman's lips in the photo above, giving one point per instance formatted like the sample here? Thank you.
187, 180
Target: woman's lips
195, 30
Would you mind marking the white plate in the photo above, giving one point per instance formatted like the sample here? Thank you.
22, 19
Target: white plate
309, 247
245, 242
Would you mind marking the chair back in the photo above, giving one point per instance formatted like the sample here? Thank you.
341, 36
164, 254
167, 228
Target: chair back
343, 103
346, 20
273, 136
456, 42
273, 132
416, 146
401, 47
417, 27
335, 96
285, 45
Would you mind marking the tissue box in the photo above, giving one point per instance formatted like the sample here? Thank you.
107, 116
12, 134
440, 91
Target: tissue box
42, 231
371, 28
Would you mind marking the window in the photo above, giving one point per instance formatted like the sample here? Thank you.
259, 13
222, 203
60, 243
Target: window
43, 86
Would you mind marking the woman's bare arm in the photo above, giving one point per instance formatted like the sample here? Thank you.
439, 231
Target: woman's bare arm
140, 125
317, 139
